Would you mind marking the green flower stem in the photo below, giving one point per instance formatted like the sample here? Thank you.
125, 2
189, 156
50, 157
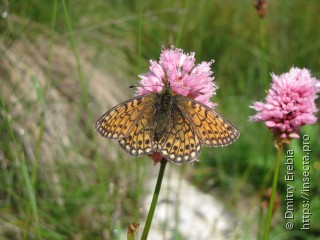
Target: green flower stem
274, 188
154, 199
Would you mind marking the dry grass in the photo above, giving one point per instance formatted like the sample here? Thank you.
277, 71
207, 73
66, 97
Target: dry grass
66, 148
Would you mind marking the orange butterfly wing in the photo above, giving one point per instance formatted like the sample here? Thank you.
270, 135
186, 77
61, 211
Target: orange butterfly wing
129, 122
139, 141
118, 122
211, 128
181, 143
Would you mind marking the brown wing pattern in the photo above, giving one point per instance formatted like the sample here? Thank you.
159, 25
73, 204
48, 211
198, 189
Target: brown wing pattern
118, 121
181, 143
211, 127
139, 140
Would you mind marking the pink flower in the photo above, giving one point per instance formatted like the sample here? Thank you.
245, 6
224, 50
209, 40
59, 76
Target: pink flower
290, 103
186, 78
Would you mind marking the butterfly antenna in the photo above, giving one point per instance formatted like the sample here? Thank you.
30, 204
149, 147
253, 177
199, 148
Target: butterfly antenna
145, 87
166, 83
201, 93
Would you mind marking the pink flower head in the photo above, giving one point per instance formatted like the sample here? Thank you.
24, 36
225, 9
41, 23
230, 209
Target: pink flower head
186, 78
290, 103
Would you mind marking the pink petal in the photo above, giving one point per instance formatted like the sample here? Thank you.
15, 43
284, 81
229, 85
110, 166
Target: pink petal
185, 77
294, 135
290, 103
270, 124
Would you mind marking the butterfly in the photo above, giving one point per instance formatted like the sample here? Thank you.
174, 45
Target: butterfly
171, 124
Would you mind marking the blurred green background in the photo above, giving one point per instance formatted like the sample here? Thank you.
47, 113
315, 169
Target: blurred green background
64, 63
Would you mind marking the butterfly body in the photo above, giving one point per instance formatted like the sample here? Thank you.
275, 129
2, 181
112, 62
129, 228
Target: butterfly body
164, 106
168, 123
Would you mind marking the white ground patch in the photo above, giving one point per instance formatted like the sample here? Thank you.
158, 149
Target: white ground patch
198, 216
